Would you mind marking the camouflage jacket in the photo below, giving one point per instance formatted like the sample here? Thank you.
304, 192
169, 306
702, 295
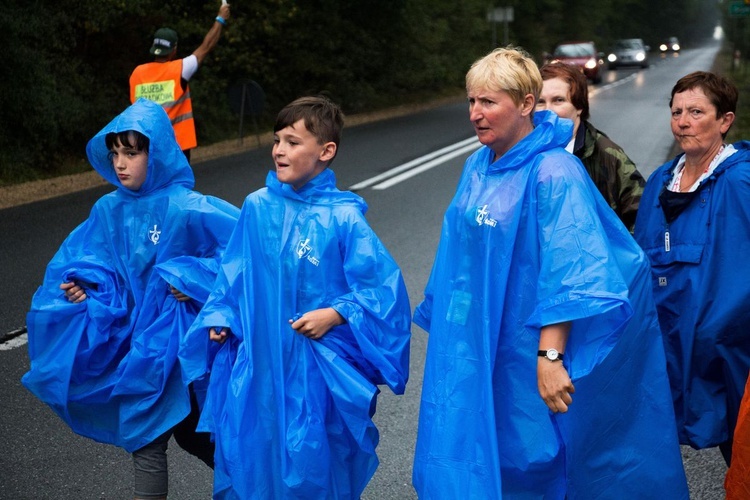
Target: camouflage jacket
613, 173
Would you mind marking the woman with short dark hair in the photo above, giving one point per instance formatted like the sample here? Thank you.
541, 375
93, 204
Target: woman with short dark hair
694, 225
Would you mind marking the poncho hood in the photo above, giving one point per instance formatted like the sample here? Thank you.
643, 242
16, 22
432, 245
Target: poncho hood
320, 190
550, 131
167, 164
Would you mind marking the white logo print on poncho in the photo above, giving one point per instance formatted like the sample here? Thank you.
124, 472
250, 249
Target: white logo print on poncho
154, 235
304, 249
482, 217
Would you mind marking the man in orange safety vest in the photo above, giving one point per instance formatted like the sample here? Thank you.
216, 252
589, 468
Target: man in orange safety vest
165, 80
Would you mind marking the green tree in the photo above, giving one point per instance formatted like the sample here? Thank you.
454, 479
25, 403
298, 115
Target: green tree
67, 62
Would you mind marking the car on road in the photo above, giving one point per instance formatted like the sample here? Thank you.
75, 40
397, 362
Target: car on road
583, 55
671, 45
628, 52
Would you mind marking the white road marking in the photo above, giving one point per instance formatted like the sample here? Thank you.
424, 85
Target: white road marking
594, 91
427, 166
439, 156
431, 160
15, 342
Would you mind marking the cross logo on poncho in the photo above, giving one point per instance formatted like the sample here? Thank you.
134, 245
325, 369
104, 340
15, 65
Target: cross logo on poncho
482, 217
303, 248
154, 235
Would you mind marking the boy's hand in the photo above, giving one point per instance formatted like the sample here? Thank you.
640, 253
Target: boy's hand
315, 324
555, 385
220, 336
73, 292
181, 297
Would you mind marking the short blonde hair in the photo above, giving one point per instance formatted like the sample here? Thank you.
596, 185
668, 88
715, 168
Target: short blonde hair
509, 69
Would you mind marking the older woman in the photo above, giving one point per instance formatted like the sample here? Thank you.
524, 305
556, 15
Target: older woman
565, 92
538, 290
694, 225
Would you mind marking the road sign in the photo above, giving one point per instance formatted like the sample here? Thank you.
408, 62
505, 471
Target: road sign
500, 14
739, 9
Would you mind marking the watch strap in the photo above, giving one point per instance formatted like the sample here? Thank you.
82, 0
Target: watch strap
543, 354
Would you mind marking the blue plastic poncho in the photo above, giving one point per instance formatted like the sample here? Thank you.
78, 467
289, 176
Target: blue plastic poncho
292, 417
526, 242
108, 365
702, 289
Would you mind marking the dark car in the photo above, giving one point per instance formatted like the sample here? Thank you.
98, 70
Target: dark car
583, 55
628, 52
671, 45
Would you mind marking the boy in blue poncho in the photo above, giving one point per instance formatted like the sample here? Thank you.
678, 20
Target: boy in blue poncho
105, 325
545, 372
312, 314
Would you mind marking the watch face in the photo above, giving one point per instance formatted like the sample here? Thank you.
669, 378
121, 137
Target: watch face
552, 354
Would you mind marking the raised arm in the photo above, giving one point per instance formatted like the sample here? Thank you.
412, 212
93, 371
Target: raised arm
213, 35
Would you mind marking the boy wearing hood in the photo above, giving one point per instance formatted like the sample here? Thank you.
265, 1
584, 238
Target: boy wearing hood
105, 325
312, 315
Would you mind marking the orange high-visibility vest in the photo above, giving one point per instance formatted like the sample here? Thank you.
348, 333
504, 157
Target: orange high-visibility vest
737, 481
160, 82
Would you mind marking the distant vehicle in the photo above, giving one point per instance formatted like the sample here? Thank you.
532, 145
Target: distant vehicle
672, 44
583, 55
628, 52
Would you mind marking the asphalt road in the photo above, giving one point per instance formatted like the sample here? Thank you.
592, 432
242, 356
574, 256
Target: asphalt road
40, 458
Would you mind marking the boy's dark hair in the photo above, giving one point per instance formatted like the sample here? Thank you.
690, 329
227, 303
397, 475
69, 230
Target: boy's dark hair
322, 117
123, 138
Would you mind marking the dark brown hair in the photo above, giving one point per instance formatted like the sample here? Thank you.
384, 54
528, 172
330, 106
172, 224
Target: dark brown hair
579, 89
123, 138
322, 117
721, 92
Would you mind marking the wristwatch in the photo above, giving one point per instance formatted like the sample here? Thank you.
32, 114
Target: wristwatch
550, 354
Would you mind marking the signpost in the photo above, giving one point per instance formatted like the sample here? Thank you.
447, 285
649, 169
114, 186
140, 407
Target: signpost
247, 98
500, 15
739, 8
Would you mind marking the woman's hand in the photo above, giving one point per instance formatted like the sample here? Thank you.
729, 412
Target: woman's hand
315, 324
555, 385
73, 292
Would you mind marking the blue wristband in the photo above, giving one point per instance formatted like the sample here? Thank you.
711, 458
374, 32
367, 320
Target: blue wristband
221, 20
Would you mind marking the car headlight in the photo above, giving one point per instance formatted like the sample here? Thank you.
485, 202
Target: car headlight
640, 56
591, 63
611, 58
676, 47
663, 47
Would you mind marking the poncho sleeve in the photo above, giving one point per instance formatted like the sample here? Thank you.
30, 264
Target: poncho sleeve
70, 343
579, 279
377, 308
423, 312
221, 308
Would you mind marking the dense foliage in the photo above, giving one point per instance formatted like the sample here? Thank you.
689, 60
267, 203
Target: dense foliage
66, 64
